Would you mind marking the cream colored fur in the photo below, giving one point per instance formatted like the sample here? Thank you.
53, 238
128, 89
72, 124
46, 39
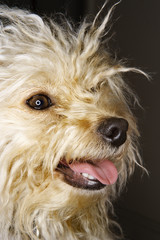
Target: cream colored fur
74, 69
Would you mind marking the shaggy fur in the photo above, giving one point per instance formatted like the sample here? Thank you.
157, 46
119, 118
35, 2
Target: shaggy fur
85, 86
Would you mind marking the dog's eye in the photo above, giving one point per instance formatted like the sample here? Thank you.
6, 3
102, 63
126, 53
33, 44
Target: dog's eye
93, 90
39, 102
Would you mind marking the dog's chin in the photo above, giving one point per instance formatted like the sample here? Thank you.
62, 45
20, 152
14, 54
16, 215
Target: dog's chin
78, 180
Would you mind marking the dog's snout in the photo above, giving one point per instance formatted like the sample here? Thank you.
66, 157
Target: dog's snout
114, 131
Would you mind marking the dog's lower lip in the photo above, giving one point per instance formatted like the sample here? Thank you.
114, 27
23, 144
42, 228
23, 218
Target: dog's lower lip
78, 180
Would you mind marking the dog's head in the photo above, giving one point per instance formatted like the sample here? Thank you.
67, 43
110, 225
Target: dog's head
66, 124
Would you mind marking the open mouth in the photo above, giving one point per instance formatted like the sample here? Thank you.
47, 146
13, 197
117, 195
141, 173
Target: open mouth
89, 175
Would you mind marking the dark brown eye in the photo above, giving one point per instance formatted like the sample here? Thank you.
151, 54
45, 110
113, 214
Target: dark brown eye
39, 102
93, 90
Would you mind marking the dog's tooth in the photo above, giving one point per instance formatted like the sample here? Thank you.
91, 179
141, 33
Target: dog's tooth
85, 175
91, 177
88, 176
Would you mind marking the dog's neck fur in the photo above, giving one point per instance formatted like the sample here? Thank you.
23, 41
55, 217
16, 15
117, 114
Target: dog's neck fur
70, 223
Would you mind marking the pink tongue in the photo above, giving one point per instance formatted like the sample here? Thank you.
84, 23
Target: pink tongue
104, 171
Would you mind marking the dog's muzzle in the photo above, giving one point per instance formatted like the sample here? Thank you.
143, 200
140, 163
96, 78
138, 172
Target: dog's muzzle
96, 174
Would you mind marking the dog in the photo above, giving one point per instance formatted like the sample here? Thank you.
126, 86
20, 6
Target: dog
68, 135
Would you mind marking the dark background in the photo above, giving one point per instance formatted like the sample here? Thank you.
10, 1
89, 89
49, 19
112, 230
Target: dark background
137, 38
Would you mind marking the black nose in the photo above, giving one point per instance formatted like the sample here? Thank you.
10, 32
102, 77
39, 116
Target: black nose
114, 131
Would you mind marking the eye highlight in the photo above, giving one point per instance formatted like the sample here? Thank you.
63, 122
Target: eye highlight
39, 102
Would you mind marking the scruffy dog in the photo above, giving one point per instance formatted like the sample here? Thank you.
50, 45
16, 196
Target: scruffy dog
68, 136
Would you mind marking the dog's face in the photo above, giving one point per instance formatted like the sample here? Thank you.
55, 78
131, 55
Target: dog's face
67, 121
77, 126
66, 127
